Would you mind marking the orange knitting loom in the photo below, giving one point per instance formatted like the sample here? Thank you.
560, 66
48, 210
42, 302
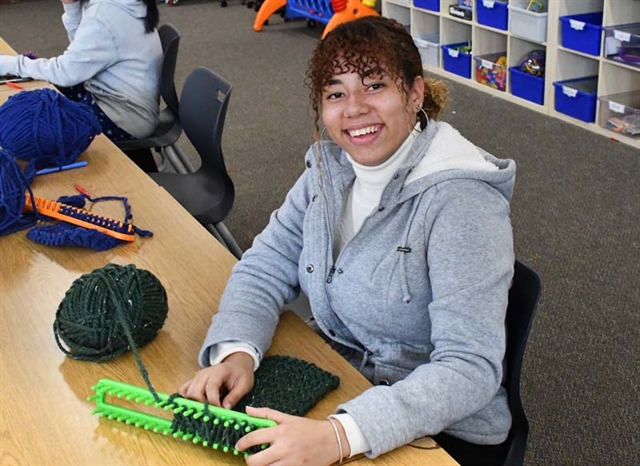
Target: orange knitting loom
81, 217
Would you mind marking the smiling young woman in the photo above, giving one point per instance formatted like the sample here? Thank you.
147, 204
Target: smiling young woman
399, 234
371, 116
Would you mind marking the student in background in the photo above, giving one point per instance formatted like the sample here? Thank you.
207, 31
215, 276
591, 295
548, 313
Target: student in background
399, 234
113, 63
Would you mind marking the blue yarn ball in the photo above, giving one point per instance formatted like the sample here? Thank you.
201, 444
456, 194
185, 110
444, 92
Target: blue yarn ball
46, 127
13, 186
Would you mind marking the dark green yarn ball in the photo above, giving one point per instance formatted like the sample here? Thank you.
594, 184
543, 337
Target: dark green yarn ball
108, 311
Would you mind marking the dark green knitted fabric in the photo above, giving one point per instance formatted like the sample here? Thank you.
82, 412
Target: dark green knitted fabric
109, 311
289, 385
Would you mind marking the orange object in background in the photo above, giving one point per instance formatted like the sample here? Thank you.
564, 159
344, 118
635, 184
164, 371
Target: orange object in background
268, 8
352, 9
343, 11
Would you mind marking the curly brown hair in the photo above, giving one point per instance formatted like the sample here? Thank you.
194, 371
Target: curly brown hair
368, 46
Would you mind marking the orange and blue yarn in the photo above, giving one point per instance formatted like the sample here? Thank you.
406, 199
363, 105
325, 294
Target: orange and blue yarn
66, 234
13, 186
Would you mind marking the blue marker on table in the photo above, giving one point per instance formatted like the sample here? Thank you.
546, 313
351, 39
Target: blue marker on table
70, 166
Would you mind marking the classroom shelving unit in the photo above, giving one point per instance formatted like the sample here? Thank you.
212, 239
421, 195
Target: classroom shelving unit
514, 32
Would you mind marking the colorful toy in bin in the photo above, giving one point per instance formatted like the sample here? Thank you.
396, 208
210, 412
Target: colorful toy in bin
536, 6
463, 9
629, 125
465, 48
630, 54
493, 76
534, 63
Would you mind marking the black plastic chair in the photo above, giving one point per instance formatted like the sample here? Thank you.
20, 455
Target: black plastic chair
168, 130
207, 193
523, 301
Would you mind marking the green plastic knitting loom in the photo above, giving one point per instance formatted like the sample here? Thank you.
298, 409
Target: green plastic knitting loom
212, 426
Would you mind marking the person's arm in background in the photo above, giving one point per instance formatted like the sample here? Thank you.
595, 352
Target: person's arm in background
92, 51
71, 17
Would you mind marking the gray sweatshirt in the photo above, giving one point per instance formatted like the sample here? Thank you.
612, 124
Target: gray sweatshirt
112, 54
418, 295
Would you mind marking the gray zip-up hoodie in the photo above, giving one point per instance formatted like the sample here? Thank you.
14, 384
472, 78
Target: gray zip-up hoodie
113, 55
418, 295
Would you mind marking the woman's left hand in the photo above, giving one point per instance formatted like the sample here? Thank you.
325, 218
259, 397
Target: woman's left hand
295, 440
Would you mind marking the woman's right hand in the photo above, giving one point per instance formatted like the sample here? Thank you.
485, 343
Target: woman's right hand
234, 374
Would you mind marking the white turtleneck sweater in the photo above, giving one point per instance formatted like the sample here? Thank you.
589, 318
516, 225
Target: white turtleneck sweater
364, 196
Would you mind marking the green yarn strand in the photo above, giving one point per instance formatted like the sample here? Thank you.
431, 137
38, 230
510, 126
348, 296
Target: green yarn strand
109, 311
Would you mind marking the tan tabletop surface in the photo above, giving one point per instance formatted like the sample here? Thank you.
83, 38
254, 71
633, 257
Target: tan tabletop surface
44, 415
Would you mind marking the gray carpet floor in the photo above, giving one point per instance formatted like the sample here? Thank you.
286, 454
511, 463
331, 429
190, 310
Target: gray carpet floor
575, 212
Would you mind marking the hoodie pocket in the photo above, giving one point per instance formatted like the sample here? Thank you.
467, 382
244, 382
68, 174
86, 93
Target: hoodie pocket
386, 374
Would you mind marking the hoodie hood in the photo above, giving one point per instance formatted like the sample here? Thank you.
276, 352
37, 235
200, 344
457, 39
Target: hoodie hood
441, 153
136, 8
449, 150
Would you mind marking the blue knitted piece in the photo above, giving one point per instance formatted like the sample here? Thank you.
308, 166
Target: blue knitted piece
46, 128
13, 187
66, 234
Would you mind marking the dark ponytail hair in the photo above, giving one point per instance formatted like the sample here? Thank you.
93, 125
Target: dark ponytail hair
153, 16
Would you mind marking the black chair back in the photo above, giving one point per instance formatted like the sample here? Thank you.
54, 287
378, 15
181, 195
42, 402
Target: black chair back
208, 194
523, 302
203, 109
170, 40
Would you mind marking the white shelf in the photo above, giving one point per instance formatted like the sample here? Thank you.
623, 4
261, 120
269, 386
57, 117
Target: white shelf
562, 63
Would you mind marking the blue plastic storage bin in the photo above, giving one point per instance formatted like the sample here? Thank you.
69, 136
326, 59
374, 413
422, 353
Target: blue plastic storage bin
582, 32
493, 13
526, 86
433, 5
455, 61
577, 98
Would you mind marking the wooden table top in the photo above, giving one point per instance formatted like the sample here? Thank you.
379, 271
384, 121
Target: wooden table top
44, 415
